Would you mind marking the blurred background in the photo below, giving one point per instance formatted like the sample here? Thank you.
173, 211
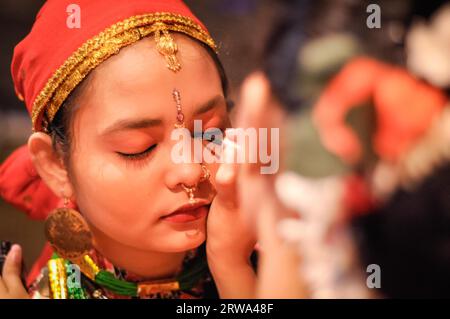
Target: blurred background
252, 34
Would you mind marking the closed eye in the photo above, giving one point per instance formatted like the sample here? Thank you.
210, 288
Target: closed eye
137, 156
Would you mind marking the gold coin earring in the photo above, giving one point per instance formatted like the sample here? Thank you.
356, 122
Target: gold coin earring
68, 233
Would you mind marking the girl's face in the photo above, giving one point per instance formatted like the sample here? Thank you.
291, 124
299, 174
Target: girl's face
123, 178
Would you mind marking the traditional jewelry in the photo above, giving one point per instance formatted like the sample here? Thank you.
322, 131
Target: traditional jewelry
166, 46
180, 116
68, 232
190, 191
206, 173
59, 289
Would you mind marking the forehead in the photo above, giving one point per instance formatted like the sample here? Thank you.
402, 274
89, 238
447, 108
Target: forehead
137, 80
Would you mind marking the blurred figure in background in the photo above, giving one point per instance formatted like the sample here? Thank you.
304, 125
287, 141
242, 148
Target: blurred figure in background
389, 207
408, 232
404, 225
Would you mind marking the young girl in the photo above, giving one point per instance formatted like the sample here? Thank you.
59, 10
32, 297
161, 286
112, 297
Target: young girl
105, 93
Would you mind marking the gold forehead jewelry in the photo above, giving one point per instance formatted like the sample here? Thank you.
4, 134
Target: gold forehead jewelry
180, 116
167, 47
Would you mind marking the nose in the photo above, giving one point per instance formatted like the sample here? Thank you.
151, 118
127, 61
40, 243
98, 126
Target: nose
187, 174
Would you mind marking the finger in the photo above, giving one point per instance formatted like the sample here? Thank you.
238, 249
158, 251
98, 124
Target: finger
226, 174
258, 111
12, 271
255, 95
226, 185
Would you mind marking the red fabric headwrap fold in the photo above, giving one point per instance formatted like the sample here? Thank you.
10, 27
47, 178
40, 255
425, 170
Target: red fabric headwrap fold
21, 186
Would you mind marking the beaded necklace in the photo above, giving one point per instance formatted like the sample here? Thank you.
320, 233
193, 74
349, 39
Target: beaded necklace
64, 284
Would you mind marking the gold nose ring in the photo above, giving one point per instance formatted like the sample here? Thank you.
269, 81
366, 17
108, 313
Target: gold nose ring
206, 174
190, 191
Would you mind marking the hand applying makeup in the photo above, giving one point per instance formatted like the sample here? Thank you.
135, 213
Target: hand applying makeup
230, 241
278, 262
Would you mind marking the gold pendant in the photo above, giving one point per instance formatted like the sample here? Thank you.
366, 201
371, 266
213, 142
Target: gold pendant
158, 286
167, 47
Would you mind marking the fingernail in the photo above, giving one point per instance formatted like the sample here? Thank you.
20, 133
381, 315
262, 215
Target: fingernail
16, 254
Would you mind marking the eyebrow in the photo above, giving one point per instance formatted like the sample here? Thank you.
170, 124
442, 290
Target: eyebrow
135, 124
131, 124
212, 103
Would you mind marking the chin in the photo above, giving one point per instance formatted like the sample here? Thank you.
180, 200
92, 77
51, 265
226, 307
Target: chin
180, 242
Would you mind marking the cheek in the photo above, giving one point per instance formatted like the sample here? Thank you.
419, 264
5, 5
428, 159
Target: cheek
111, 195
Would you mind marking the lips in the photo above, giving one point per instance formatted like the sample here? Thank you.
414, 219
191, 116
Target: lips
188, 213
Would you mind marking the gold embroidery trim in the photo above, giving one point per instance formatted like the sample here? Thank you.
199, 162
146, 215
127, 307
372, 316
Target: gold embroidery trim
99, 48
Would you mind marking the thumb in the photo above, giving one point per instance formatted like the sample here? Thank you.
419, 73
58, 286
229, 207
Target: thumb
12, 270
226, 176
226, 184
255, 94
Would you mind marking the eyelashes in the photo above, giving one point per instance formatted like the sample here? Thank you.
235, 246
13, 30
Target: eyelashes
138, 156
212, 135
